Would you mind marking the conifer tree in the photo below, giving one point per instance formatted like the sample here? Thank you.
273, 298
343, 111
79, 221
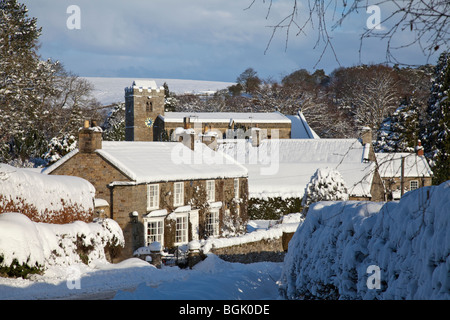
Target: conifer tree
436, 132
18, 69
400, 132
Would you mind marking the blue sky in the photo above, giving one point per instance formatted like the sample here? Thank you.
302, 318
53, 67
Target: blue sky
199, 39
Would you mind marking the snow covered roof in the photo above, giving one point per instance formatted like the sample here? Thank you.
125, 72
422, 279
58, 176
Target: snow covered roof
300, 129
145, 162
390, 165
284, 167
227, 117
145, 84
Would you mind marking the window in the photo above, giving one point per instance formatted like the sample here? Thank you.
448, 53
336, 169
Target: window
212, 223
236, 188
152, 196
149, 106
178, 198
413, 185
210, 191
155, 231
181, 234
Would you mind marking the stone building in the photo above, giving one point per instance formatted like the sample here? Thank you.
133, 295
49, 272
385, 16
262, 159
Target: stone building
146, 120
228, 125
144, 101
416, 172
283, 168
160, 191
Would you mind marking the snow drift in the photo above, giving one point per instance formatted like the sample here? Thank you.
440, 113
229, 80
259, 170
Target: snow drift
45, 198
333, 252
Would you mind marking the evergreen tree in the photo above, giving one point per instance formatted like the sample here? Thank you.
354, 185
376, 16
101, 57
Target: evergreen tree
19, 64
436, 132
39, 100
400, 132
57, 148
325, 185
114, 126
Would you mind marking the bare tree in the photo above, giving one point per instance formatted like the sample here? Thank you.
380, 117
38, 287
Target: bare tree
376, 100
367, 93
429, 20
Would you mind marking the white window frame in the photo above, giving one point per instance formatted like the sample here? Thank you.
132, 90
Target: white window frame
182, 229
236, 188
411, 185
211, 190
212, 223
158, 227
178, 194
152, 196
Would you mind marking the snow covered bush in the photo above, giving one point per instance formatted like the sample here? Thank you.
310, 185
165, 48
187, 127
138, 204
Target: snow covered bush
332, 252
33, 246
326, 184
45, 198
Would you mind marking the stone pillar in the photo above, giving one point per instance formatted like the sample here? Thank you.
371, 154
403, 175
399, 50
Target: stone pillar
194, 256
155, 254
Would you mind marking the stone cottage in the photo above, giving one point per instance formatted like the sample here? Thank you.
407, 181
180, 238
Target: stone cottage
170, 192
416, 172
282, 168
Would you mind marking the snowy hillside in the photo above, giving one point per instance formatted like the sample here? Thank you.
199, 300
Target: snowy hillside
369, 250
110, 90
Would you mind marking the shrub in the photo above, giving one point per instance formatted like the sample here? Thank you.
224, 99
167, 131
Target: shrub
16, 269
272, 208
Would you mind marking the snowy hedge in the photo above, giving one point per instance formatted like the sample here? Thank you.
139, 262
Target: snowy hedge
45, 198
37, 245
337, 251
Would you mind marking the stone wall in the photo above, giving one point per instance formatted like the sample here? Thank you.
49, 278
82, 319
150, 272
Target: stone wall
93, 168
262, 250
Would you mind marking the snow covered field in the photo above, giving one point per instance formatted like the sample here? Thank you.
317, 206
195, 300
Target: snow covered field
110, 90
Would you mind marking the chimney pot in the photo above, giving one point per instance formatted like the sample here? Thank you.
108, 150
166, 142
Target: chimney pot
419, 148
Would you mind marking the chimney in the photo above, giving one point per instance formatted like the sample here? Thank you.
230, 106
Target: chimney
187, 122
419, 148
366, 140
210, 139
187, 138
89, 137
366, 135
256, 137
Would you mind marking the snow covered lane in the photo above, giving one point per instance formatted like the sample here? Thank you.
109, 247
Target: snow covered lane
212, 279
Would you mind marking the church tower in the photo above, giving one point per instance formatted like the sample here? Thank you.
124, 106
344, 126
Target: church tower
144, 101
